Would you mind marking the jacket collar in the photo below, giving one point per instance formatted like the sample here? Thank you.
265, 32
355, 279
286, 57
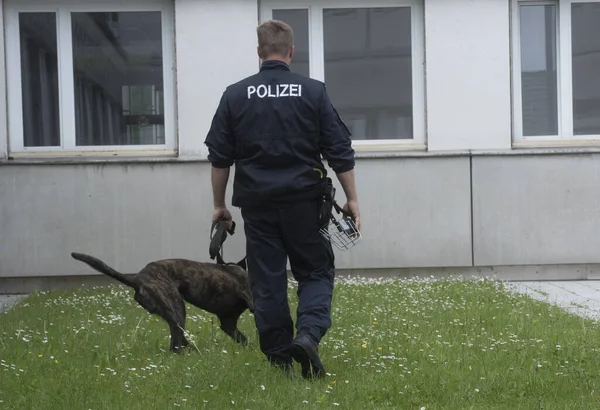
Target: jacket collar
274, 65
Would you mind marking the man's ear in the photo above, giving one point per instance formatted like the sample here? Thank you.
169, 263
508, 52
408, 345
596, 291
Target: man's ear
242, 264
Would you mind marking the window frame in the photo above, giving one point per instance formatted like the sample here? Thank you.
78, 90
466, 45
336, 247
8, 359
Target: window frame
66, 86
317, 57
564, 74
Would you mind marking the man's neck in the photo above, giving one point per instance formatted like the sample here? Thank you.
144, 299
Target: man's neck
280, 59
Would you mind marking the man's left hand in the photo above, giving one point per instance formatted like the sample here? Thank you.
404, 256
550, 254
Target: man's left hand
222, 213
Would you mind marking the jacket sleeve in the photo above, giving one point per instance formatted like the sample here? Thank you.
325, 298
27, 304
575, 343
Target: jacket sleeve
220, 139
335, 142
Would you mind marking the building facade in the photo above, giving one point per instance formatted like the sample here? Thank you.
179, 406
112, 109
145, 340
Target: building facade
476, 125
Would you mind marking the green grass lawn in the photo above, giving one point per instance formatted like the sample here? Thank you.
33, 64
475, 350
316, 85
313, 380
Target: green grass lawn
404, 344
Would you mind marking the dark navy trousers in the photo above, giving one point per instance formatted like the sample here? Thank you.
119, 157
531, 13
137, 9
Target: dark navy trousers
273, 235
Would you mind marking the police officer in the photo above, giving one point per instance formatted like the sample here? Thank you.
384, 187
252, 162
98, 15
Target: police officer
274, 126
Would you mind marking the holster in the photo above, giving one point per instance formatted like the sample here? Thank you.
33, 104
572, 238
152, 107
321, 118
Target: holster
326, 202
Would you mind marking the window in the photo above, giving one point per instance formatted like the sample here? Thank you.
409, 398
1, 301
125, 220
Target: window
556, 70
90, 75
370, 55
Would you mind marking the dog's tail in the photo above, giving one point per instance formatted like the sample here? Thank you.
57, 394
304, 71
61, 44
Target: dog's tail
100, 266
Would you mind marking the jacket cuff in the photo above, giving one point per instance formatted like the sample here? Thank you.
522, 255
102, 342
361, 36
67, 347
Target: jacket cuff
222, 164
343, 168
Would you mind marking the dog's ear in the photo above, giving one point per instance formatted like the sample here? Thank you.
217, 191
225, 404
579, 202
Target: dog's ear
242, 264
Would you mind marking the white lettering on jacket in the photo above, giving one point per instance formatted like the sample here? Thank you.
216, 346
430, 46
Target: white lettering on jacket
275, 91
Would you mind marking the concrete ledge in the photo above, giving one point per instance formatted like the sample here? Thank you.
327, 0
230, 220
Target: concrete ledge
361, 153
509, 273
8, 301
24, 285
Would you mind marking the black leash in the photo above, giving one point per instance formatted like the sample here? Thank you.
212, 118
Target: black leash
217, 238
340, 211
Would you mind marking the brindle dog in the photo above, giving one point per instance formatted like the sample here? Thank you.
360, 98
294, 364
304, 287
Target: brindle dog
162, 286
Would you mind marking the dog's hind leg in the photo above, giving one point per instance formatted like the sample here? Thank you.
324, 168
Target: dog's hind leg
176, 319
229, 326
169, 305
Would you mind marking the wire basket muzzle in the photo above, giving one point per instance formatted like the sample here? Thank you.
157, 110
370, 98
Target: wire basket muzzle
342, 233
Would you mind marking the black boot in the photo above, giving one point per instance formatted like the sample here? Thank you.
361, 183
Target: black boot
305, 351
285, 366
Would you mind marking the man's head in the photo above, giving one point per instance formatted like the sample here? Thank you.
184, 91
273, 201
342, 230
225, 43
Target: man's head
275, 41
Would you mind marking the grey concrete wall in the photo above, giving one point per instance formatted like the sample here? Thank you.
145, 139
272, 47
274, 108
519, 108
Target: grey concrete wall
535, 210
126, 214
415, 212
530, 210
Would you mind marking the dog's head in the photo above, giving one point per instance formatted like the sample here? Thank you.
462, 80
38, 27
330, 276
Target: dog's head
241, 268
241, 264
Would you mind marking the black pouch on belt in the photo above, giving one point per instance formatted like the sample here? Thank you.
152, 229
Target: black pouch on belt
326, 202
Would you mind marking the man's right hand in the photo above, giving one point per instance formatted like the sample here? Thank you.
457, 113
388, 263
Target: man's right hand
222, 213
351, 208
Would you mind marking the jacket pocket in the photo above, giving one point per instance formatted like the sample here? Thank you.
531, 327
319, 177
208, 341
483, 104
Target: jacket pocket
343, 124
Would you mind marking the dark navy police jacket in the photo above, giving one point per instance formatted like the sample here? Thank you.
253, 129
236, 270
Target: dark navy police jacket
274, 126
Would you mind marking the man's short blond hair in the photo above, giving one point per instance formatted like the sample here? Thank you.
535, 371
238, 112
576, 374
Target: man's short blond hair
275, 39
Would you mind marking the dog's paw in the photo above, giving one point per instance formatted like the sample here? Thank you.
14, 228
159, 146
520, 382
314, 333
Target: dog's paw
242, 340
178, 349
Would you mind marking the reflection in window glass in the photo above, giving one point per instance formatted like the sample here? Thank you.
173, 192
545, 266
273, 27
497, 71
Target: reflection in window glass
585, 46
538, 70
39, 79
117, 62
368, 69
298, 20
